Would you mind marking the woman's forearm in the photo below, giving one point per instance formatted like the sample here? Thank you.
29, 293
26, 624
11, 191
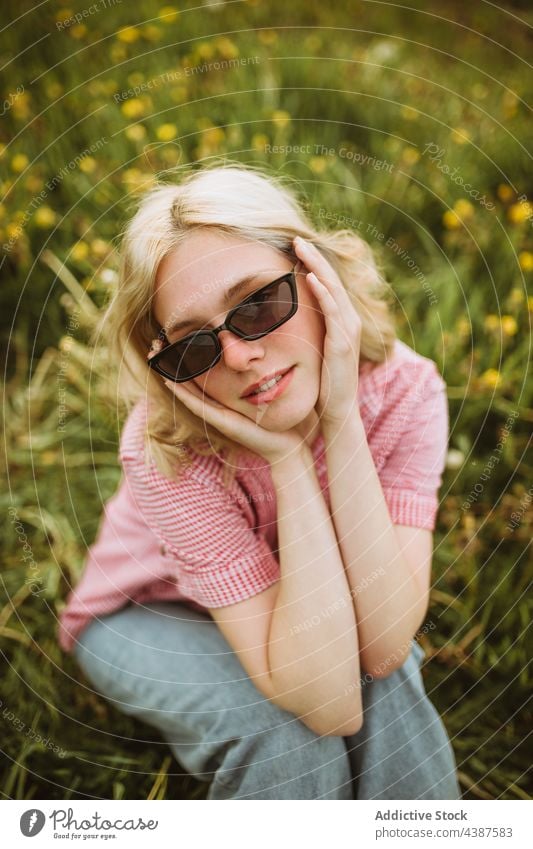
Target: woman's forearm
390, 608
313, 646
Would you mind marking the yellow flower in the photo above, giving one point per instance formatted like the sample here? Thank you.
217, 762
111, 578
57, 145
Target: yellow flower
64, 15
519, 212
166, 132
460, 135
80, 251
505, 192
99, 248
268, 36
78, 31
516, 297
491, 378
133, 108
13, 232
409, 113
464, 208
451, 220
204, 50
34, 183
19, 162
259, 142
136, 132
136, 78
492, 322
45, 217
410, 155
128, 35
525, 258
88, 164
168, 14
213, 136
463, 326
136, 180
318, 164
226, 48
509, 325
281, 118
152, 33
53, 90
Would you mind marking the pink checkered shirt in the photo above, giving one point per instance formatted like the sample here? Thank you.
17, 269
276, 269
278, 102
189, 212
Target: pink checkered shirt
198, 542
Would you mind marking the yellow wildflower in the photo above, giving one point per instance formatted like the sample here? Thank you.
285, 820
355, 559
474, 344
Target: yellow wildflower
525, 258
168, 14
13, 232
88, 164
259, 142
45, 217
410, 155
451, 220
492, 322
509, 325
136, 132
519, 212
516, 298
464, 208
128, 35
80, 251
64, 15
463, 326
152, 33
268, 36
136, 180
226, 48
133, 108
281, 118
409, 113
19, 162
78, 31
318, 164
460, 135
166, 132
491, 378
99, 248
505, 192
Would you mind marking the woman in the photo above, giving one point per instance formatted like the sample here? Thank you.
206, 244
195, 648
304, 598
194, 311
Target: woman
261, 572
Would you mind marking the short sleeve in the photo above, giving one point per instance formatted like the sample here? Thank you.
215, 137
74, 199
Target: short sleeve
412, 475
217, 556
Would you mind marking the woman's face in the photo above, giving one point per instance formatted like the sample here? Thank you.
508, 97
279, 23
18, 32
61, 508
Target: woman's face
190, 287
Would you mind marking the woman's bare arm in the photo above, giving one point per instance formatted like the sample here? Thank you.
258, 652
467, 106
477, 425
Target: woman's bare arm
313, 646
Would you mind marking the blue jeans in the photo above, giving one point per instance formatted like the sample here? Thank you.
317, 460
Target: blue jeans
169, 666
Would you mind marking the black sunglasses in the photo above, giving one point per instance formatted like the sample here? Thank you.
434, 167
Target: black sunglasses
260, 313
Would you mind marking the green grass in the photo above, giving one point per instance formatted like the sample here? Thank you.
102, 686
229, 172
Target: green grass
379, 83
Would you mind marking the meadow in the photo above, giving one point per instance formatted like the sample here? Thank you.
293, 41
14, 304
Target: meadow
411, 127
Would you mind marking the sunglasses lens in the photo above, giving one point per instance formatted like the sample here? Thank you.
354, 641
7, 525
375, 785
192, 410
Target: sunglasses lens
261, 313
185, 360
264, 310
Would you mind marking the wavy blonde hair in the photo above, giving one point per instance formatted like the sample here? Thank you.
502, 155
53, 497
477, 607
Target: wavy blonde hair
244, 201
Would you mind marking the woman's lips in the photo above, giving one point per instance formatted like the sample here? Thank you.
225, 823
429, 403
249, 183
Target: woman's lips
274, 391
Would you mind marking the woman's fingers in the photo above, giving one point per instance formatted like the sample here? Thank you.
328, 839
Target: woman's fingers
318, 264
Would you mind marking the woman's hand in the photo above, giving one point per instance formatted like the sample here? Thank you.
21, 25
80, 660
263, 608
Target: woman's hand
273, 447
340, 365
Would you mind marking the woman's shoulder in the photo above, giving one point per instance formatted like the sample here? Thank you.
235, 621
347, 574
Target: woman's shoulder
202, 471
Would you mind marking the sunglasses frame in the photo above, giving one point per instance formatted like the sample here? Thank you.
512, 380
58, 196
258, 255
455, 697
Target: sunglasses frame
290, 276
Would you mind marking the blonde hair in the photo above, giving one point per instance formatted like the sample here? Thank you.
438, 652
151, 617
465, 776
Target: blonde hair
244, 201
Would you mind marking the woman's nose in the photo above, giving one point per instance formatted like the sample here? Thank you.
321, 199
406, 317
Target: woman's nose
237, 353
